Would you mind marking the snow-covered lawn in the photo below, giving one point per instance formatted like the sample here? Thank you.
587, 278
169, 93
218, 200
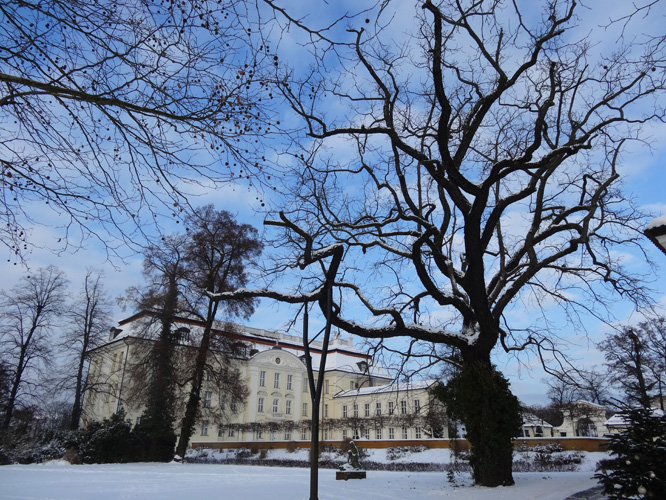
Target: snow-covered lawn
147, 481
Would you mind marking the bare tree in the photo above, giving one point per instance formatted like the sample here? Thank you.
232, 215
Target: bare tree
466, 171
219, 253
89, 319
632, 364
28, 317
112, 112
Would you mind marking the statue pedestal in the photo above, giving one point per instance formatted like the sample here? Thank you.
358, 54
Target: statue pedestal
349, 474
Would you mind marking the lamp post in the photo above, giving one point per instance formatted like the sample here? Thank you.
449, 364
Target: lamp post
656, 232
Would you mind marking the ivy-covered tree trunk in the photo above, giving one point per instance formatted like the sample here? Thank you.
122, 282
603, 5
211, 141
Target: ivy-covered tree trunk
479, 396
156, 426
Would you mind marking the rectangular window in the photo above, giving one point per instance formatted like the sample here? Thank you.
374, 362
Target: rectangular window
325, 434
260, 405
344, 434
305, 410
276, 405
207, 398
344, 411
260, 435
391, 433
378, 433
262, 379
287, 435
223, 399
378, 409
204, 427
305, 385
355, 411
404, 433
209, 375
234, 404
276, 381
325, 411
230, 433
417, 433
367, 409
403, 407
355, 434
390, 408
304, 434
289, 379
220, 431
366, 433
417, 406
273, 436
326, 386
287, 406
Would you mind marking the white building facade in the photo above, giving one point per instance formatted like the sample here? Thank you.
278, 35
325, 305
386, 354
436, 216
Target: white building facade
359, 399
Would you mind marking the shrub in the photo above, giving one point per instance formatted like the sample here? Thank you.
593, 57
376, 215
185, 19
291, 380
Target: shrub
110, 441
636, 467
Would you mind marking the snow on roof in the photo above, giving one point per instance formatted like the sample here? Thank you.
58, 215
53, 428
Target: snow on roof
530, 420
620, 419
658, 222
393, 387
342, 354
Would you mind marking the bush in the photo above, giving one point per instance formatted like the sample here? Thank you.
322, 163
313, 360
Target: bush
110, 441
636, 469
17, 447
396, 452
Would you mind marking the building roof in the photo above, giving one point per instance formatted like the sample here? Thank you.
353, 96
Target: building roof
620, 419
393, 387
342, 354
530, 420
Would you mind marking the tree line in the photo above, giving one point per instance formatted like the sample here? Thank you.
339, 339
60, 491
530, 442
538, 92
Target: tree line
46, 336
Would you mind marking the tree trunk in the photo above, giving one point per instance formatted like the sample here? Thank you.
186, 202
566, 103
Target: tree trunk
78, 393
192, 407
480, 397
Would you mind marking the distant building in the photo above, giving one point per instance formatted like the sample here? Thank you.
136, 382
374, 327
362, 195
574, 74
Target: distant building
359, 399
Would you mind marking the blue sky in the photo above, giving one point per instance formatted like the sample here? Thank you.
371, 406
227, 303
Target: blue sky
642, 171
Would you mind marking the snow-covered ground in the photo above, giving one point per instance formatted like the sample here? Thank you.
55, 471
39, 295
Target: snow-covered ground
147, 481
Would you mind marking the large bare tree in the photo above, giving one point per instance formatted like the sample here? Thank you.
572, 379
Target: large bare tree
470, 170
113, 112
